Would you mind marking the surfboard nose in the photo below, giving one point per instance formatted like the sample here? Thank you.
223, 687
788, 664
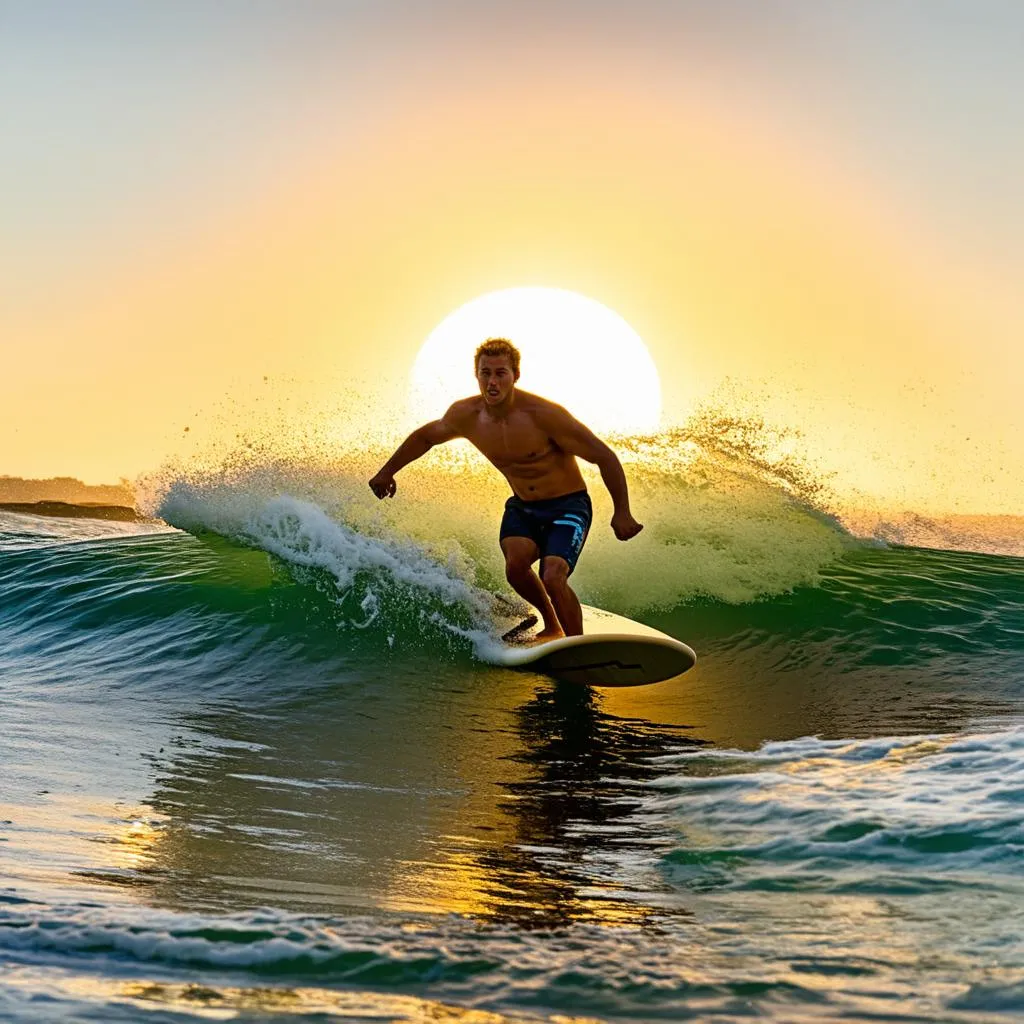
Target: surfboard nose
618, 661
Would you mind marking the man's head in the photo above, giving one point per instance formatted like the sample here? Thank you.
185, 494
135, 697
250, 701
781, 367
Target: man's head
497, 369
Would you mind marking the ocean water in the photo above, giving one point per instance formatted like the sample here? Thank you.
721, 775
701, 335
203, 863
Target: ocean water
255, 766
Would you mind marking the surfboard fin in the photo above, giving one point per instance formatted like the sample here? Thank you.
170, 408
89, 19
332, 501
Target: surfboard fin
513, 634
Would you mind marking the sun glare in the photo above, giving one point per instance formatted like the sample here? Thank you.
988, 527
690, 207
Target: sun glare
574, 351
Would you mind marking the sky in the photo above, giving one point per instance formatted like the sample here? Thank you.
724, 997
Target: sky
807, 209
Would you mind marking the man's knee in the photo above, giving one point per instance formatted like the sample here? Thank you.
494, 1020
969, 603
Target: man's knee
516, 567
555, 572
520, 554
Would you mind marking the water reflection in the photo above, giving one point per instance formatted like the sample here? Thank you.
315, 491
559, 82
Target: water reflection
566, 851
423, 800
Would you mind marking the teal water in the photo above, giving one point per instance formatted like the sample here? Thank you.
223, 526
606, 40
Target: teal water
262, 771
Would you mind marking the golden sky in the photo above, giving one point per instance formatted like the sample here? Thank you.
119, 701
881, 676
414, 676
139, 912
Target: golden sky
811, 210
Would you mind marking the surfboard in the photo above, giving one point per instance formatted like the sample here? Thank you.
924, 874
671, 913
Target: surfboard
613, 651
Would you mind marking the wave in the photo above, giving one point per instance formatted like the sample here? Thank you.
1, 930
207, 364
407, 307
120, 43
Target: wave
24, 528
847, 816
741, 556
932, 634
724, 518
740, 552
610, 972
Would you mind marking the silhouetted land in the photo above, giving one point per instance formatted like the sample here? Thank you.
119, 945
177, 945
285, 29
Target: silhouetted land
68, 497
73, 511
67, 489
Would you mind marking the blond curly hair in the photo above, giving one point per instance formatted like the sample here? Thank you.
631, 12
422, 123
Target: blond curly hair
498, 347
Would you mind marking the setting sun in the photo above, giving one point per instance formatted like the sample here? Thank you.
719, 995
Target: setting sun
574, 351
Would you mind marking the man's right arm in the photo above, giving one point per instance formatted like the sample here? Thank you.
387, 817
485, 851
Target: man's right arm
417, 444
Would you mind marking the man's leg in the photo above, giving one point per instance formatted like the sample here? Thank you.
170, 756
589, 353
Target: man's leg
555, 574
520, 554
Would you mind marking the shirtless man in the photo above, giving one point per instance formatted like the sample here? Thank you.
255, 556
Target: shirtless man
535, 444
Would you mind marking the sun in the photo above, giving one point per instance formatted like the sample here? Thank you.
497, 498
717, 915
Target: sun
574, 351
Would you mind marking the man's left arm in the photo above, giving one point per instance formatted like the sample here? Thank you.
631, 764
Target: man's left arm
573, 437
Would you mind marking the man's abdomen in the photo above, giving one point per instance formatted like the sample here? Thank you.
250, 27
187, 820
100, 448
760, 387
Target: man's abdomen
540, 482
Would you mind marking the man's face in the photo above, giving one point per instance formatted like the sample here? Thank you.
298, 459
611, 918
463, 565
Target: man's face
495, 377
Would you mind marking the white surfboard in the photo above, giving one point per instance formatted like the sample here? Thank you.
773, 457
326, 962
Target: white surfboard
613, 651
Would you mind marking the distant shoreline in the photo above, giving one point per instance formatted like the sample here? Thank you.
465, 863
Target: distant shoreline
67, 510
22, 490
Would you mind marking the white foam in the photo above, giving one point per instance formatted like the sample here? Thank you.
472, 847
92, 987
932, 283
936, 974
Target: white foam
368, 567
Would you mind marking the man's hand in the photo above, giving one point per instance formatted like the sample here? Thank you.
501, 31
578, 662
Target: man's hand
383, 485
625, 526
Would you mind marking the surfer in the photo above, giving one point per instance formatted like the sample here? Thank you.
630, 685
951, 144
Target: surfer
534, 443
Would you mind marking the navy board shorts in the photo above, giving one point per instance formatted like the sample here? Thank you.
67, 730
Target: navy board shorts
558, 526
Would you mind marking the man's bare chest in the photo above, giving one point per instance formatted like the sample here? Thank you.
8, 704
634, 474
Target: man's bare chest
516, 441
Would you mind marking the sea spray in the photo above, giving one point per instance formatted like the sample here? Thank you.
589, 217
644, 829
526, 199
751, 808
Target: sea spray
377, 577
730, 514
